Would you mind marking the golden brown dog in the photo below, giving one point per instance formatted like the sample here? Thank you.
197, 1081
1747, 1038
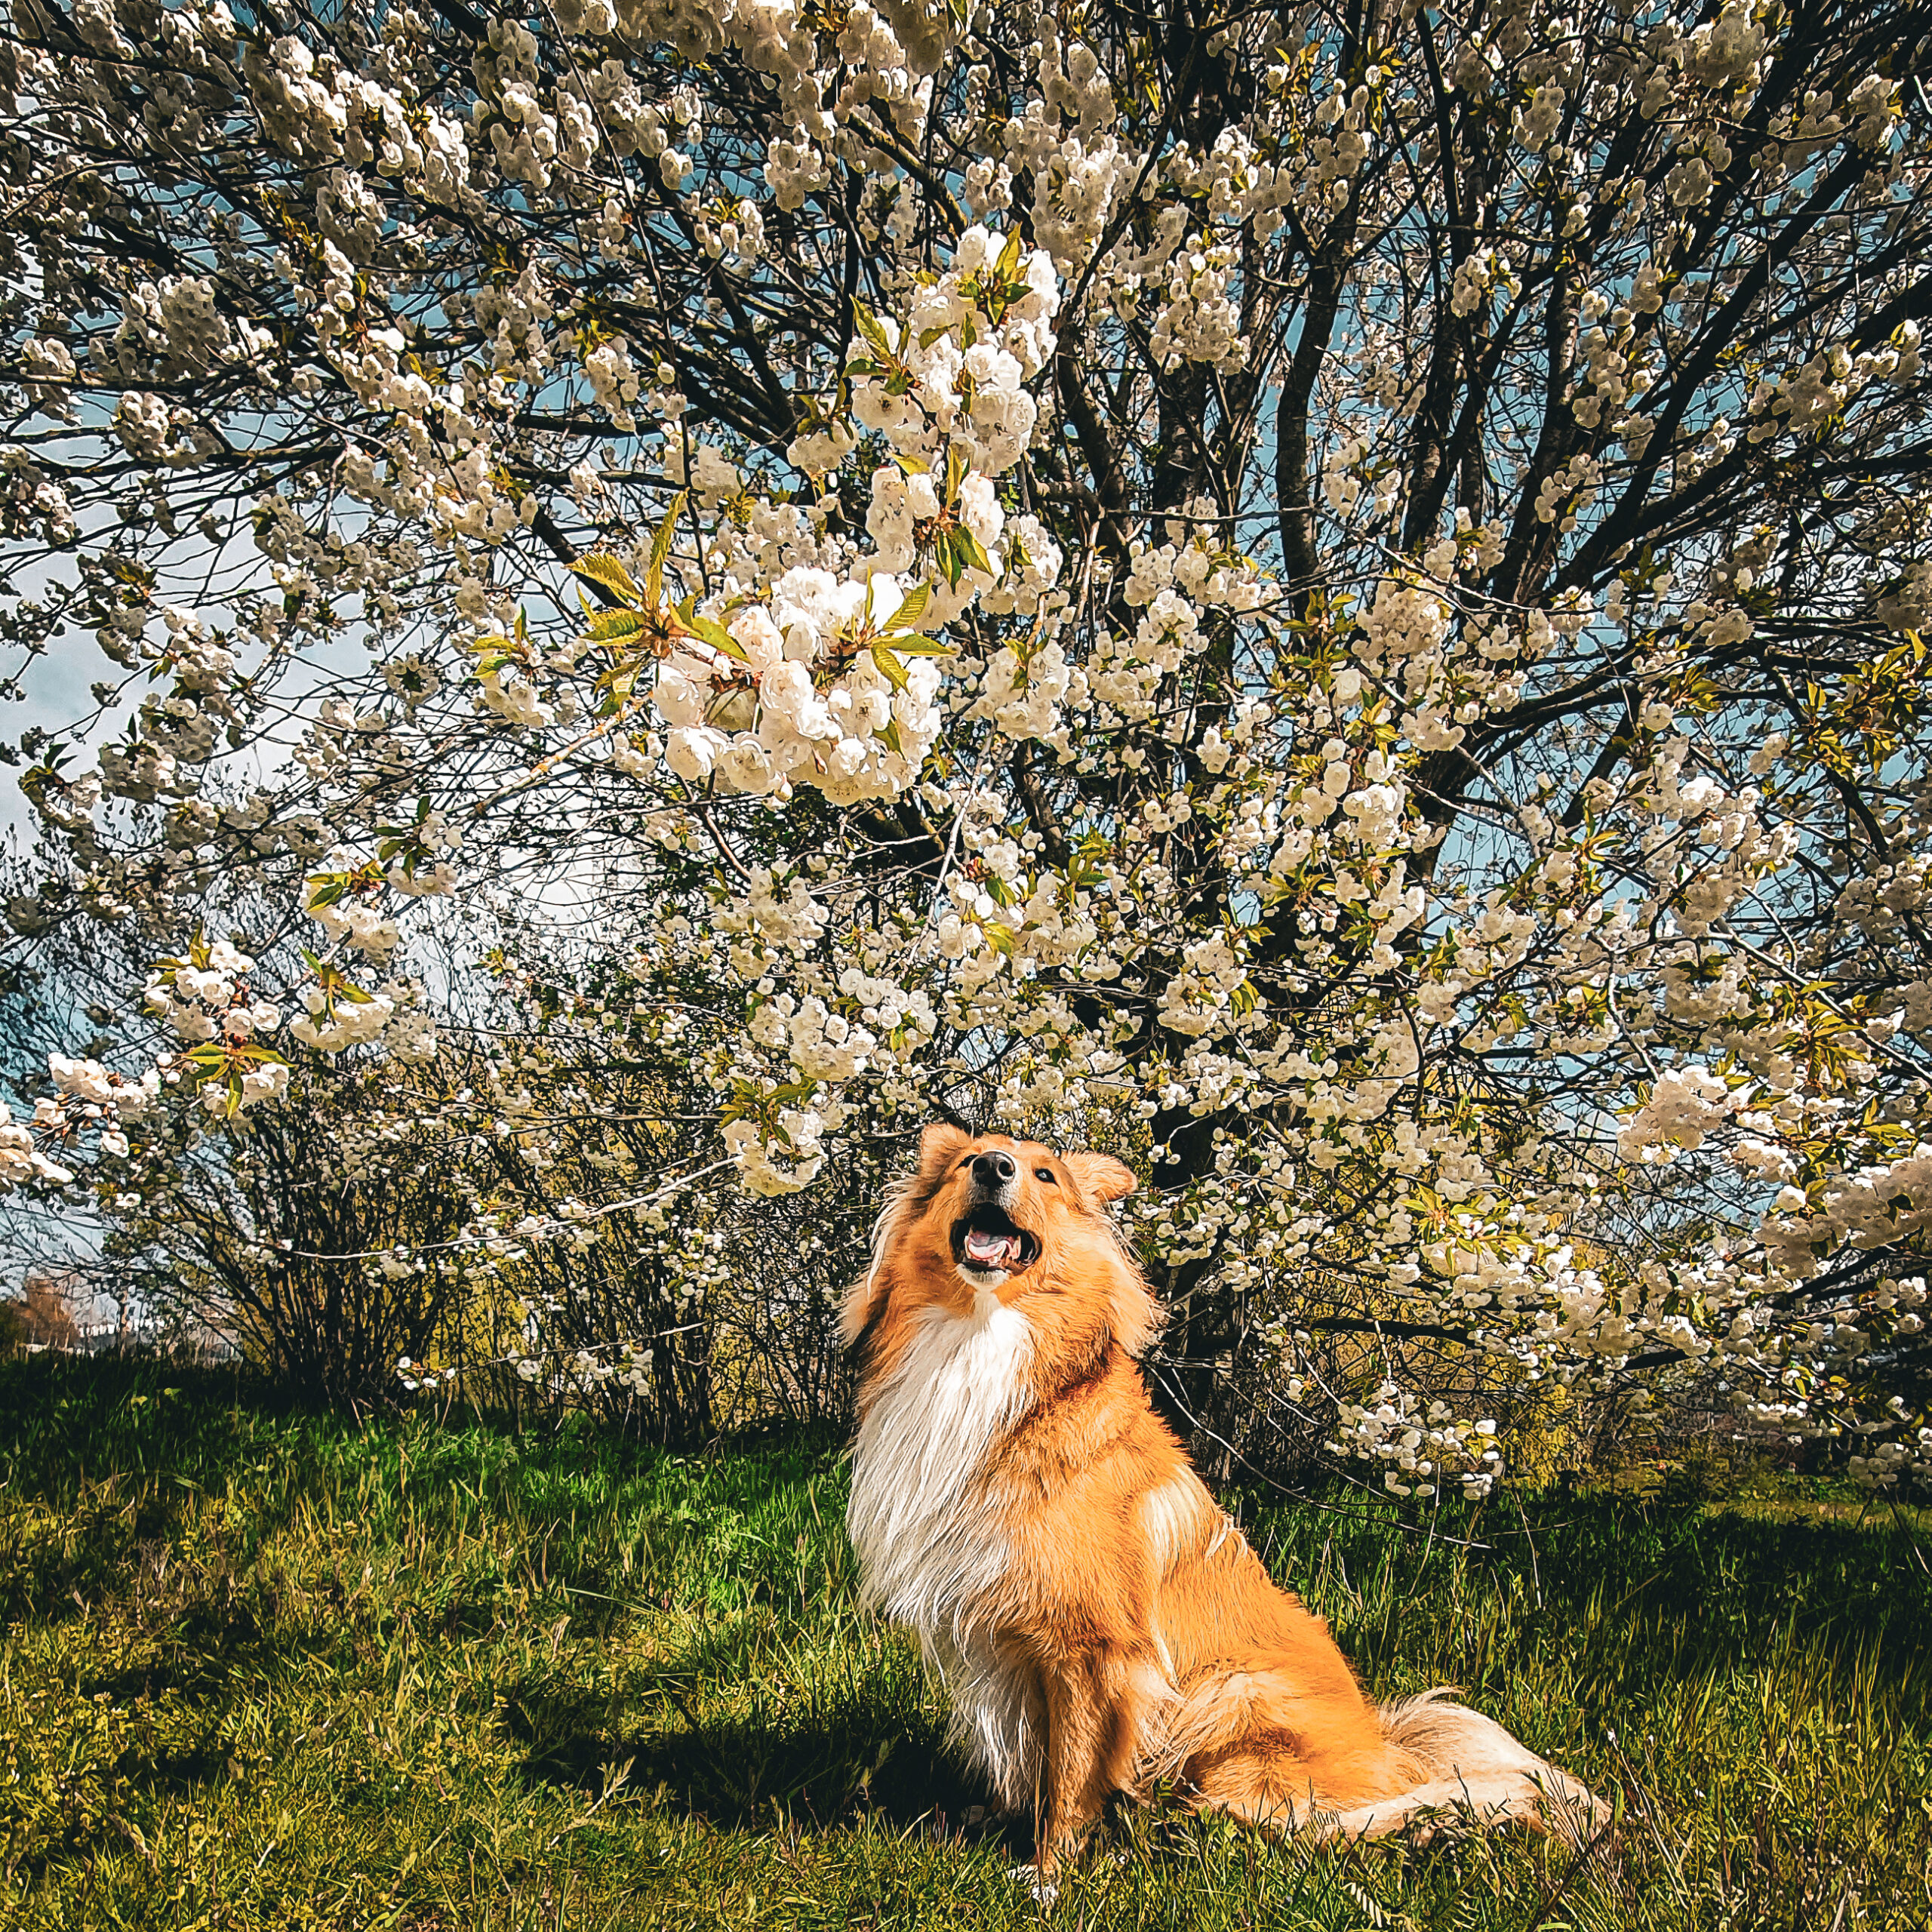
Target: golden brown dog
1098, 1622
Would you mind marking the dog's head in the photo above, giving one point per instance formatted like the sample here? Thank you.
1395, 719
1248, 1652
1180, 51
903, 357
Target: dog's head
985, 1214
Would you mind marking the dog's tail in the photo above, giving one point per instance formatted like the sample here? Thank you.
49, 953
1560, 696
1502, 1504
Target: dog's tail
1240, 1739
1465, 1763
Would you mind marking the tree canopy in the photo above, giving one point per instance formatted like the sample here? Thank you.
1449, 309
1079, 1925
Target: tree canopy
1329, 596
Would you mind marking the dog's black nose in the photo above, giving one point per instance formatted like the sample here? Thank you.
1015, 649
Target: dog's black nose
994, 1169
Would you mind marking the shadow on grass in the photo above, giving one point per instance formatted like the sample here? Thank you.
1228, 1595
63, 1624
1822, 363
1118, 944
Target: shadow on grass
737, 1768
1677, 1586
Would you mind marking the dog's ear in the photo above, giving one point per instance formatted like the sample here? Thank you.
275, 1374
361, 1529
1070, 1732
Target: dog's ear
1101, 1175
939, 1145
865, 1297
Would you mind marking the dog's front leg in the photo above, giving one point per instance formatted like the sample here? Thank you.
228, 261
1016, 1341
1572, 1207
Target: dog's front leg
1091, 1728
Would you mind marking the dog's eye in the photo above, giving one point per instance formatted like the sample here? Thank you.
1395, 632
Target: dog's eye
1047, 1175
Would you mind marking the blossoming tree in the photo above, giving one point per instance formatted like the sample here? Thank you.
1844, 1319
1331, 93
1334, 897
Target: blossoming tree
1331, 593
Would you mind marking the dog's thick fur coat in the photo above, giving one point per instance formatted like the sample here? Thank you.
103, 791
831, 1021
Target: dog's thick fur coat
1098, 1621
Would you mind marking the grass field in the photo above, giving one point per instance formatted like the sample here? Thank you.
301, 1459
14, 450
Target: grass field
264, 1669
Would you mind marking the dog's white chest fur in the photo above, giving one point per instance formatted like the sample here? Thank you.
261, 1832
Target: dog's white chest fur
926, 1548
929, 1548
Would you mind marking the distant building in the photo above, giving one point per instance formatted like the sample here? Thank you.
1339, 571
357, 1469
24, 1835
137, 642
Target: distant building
65, 1309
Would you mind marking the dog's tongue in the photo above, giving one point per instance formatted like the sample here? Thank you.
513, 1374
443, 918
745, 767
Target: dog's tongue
992, 1251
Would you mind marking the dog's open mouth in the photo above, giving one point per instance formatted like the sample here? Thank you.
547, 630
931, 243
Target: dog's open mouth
989, 1240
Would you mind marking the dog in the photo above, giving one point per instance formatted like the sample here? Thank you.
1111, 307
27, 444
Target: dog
1099, 1623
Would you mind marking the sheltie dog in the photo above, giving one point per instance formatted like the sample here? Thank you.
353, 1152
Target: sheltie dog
1099, 1623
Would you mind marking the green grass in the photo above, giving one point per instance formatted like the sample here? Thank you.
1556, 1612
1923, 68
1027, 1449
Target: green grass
264, 1668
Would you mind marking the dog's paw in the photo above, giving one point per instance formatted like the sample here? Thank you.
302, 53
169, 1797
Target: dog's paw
1571, 1812
1042, 1888
1437, 1825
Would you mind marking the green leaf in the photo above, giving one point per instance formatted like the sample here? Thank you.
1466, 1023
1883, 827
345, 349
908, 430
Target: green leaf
967, 545
660, 548
912, 608
955, 472
890, 667
710, 630
913, 466
607, 625
719, 638
608, 573
868, 327
916, 646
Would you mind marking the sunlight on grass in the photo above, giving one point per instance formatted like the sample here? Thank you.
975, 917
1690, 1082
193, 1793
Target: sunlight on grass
269, 1669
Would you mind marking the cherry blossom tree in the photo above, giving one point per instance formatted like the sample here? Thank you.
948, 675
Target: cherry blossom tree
1329, 596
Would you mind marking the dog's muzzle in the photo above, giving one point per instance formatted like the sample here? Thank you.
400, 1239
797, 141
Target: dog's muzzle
987, 1240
